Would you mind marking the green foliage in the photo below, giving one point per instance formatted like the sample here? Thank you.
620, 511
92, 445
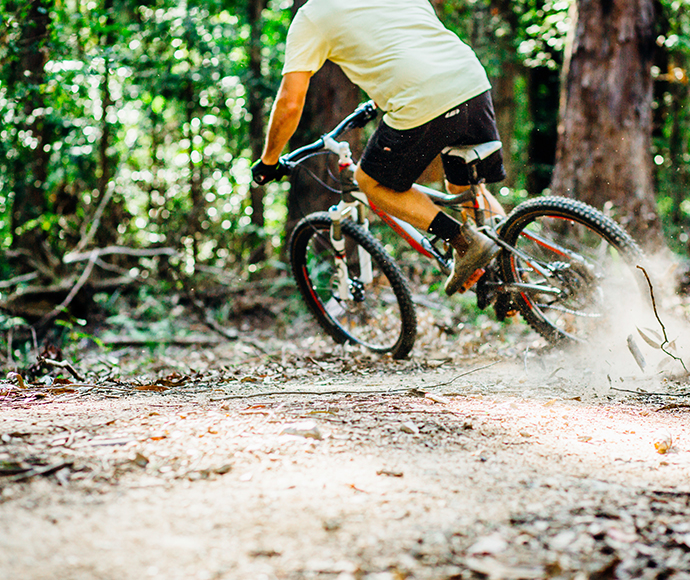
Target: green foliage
146, 105
671, 147
531, 32
155, 96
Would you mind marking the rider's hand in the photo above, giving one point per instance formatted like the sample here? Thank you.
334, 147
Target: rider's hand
263, 174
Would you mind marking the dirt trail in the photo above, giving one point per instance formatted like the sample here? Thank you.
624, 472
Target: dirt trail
422, 471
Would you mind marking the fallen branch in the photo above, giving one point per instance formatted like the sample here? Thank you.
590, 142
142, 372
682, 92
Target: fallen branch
87, 236
118, 250
474, 370
411, 391
32, 472
414, 391
648, 394
61, 365
18, 280
73, 292
663, 328
207, 319
174, 341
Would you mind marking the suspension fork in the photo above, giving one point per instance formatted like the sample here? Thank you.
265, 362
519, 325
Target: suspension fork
366, 273
336, 213
357, 212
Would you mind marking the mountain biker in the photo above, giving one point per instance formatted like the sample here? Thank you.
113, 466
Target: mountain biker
434, 93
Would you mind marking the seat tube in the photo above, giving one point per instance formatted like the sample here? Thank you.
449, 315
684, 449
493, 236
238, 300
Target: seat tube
338, 243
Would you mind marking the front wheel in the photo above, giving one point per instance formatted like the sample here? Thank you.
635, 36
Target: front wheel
572, 271
375, 309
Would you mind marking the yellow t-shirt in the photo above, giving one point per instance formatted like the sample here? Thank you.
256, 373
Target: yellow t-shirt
397, 51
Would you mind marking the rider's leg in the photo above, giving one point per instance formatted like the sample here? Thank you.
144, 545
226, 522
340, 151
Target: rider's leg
473, 250
412, 206
487, 201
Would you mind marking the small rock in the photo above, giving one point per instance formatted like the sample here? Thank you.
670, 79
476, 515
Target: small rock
492, 544
306, 429
140, 460
409, 427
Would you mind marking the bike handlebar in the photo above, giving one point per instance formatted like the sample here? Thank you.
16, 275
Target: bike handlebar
358, 118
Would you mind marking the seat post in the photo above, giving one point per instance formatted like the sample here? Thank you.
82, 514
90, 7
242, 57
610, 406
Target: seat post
475, 182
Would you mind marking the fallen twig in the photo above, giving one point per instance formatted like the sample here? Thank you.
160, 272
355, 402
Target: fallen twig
119, 250
656, 314
95, 222
73, 292
18, 280
648, 394
312, 393
47, 470
474, 370
407, 390
674, 406
61, 365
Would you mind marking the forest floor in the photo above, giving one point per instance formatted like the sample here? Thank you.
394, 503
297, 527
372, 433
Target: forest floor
484, 455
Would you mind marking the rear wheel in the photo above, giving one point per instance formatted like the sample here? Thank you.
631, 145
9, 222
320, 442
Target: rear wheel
377, 311
574, 269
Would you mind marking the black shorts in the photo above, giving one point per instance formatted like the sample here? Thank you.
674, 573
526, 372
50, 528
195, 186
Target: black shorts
397, 158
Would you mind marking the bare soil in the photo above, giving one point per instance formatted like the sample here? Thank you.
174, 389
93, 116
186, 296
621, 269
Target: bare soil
483, 456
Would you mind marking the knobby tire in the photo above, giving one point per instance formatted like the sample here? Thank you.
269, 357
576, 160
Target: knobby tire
582, 229
382, 317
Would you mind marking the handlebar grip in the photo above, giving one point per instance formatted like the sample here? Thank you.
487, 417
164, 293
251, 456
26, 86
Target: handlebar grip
363, 114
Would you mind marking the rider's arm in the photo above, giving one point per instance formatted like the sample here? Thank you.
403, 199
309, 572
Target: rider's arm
286, 113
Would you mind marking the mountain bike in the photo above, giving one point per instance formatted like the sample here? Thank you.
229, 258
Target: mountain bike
564, 265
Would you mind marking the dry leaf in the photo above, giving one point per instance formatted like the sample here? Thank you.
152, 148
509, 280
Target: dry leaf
651, 337
140, 460
663, 442
17, 377
173, 380
409, 427
437, 398
496, 570
492, 544
390, 473
637, 354
306, 429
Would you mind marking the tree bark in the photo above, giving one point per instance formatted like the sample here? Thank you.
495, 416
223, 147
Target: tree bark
257, 125
31, 168
604, 141
542, 91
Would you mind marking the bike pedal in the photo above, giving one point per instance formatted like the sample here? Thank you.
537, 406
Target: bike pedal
471, 281
504, 307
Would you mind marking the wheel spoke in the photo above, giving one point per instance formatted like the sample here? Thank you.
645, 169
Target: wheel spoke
378, 315
571, 267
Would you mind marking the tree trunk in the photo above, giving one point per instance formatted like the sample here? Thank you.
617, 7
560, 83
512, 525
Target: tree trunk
605, 131
331, 98
114, 211
542, 90
257, 125
31, 168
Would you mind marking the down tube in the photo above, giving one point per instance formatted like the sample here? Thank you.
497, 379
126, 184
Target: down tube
405, 231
